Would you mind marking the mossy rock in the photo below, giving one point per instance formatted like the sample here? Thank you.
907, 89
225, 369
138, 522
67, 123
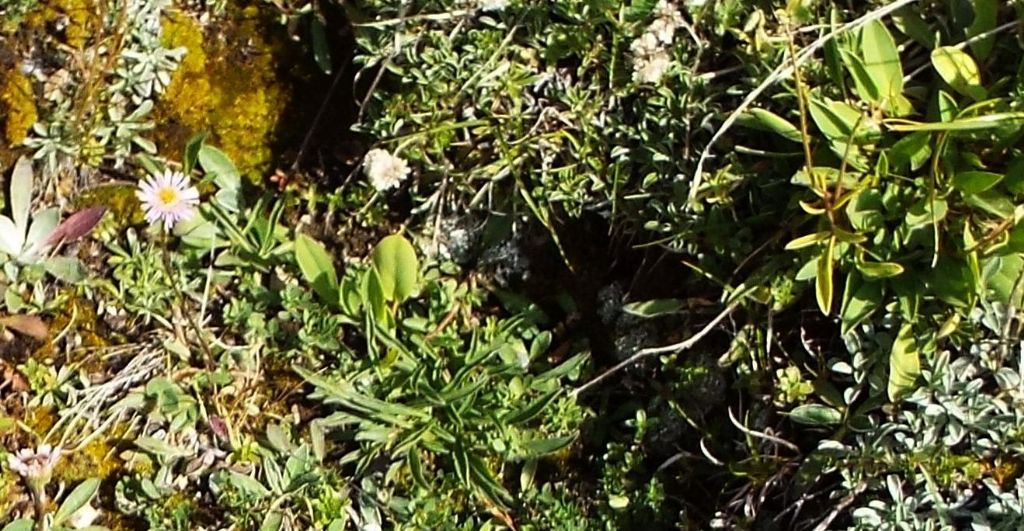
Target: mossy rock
123, 207
17, 106
229, 85
80, 20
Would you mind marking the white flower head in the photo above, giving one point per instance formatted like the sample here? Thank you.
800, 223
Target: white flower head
664, 28
650, 59
667, 20
167, 197
646, 44
493, 5
385, 171
34, 465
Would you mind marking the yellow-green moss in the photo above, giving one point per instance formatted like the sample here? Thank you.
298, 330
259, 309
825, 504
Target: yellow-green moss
9, 490
123, 207
83, 19
226, 86
97, 459
40, 419
80, 316
18, 106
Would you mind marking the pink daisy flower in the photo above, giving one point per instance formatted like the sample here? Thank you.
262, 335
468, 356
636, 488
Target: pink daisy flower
34, 464
167, 197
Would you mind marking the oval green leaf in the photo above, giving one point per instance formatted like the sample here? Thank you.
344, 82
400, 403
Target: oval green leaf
317, 268
225, 175
959, 70
816, 415
76, 500
881, 60
973, 182
880, 269
397, 267
21, 524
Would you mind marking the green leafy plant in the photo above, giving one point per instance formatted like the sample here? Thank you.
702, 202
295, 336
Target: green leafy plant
437, 398
27, 242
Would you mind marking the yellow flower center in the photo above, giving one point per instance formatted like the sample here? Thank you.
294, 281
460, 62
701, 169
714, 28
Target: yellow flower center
167, 196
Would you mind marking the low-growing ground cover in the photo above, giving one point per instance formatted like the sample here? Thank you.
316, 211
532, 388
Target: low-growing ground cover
459, 264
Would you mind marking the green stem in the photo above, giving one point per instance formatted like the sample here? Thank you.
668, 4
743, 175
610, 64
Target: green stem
207, 352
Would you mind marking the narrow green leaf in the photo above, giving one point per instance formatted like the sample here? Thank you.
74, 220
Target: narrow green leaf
860, 300
373, 296
764, 120
317, 268
816, 415
880, 269
416, 467
867, 88
986, 13
76, 500
840, 121
946, 107
530, 410
949, 326
247, 484
318, 439
823, 279
21, 193
321, 49
566, 368
272, 522
882, 60
992, 201
654, 308
910, 22
191, 153
973, 182
808, 240
528, 474
484, 480
979, 123
159, 448
541, 447
904, 363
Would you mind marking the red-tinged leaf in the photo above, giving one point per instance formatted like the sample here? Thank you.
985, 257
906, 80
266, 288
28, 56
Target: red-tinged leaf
28, 325
76, 226
219, 427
